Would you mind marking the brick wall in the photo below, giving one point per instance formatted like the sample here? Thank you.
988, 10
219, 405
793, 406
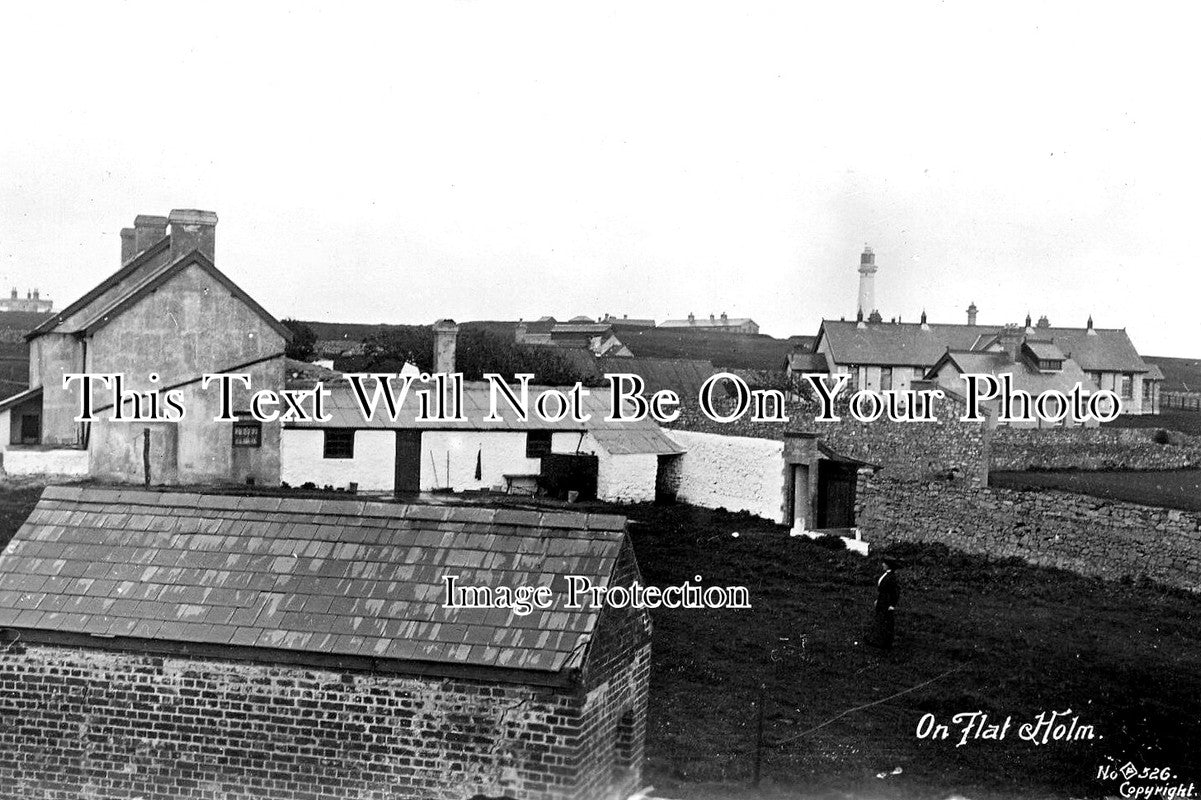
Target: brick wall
89, 723
1093, 448
1083, 534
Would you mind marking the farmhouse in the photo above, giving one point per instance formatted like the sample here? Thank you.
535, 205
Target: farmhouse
890, 355
163, 320
185, 646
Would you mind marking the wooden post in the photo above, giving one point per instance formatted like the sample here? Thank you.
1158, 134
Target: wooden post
146, 455
759, 736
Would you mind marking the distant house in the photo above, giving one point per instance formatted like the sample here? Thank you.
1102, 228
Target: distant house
598, 338
1034, 366
31, 303
723, 323
292, 648
892, 355
166, 318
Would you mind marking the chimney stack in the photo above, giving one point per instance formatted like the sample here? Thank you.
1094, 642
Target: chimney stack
193, 230
1090, 330
148, 230
1011, 340
971, 314
128, 244
446, 331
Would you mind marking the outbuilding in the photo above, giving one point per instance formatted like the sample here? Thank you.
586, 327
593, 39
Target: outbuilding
163, 644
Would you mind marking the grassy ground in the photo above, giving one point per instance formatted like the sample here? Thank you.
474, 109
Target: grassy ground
1021, 641
1178, 488
1126, 659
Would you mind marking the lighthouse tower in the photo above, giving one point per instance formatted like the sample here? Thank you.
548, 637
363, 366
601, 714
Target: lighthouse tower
867, 283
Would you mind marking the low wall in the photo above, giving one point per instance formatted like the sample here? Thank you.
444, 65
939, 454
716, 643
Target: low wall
1075, 532
36, 462
1092, 448
737, 473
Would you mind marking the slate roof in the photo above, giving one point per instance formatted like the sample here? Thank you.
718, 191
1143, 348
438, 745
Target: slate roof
641, 436
1045, 351
330, 577
1025, 377
909, 344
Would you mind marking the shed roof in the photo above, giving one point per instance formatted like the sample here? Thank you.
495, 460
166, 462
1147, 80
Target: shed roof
300, 576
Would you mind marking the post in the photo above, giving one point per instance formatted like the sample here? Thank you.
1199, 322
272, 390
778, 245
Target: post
759, 736
146, 455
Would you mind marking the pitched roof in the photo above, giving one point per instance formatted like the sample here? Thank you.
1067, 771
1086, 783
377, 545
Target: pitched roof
20, 397
1046, 351
908, 343
1025, 377
327, 577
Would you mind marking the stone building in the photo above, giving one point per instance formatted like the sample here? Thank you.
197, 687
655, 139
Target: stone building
198, 646
882, 355
721, 324
32, 302
166, 318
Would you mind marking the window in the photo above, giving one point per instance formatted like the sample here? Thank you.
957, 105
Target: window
1049, 365
537, 444
853, 383
1096, 376
339, 443
885, 378
248, 433
31, 429
1127, 386
1148, 389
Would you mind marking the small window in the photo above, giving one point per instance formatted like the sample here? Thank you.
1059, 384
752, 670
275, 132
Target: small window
248, 433
31, 429
339, 443
1148, 389
537, 444
1127, 386
885, 378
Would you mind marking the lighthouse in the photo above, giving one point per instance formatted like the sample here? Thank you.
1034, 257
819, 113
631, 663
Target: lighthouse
867, 283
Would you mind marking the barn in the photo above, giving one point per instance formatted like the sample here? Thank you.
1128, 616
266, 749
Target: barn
169, 644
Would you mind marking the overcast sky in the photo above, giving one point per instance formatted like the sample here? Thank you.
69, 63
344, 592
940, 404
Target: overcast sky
401, 163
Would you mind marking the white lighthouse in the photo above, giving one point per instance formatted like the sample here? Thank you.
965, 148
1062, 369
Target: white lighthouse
867, 283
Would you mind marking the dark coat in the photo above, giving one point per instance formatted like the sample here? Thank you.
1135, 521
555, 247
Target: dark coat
888, 593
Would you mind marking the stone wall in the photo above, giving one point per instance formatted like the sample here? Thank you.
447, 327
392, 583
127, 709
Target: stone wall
911, 450
1093, 448
1083, 534
89, 723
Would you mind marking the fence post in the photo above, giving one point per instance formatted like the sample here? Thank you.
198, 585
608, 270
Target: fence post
759, 736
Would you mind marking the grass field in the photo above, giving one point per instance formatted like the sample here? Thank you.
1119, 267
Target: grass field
1021, 641
1177, 488
1024, 640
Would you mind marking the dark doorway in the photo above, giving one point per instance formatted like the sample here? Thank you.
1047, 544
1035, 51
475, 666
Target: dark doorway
835, 494
408, 462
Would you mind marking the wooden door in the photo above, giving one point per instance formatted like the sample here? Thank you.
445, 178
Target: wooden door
408, 462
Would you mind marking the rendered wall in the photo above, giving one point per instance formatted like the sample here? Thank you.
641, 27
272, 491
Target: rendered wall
373, 467
737, 473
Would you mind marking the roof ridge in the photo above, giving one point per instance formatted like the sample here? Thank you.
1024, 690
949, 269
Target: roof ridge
432, 512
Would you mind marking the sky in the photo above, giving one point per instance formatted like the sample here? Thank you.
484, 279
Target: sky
402, 163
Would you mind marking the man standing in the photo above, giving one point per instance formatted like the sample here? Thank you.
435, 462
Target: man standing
887, 595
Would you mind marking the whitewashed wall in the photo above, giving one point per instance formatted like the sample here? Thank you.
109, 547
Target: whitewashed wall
627, 478
373, 467
736, 473
21, 462
499, 453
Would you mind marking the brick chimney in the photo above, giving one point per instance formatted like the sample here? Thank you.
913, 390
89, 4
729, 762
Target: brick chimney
128, 244
971, 314
193, 230
1011, 339
148, 230
446, 332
